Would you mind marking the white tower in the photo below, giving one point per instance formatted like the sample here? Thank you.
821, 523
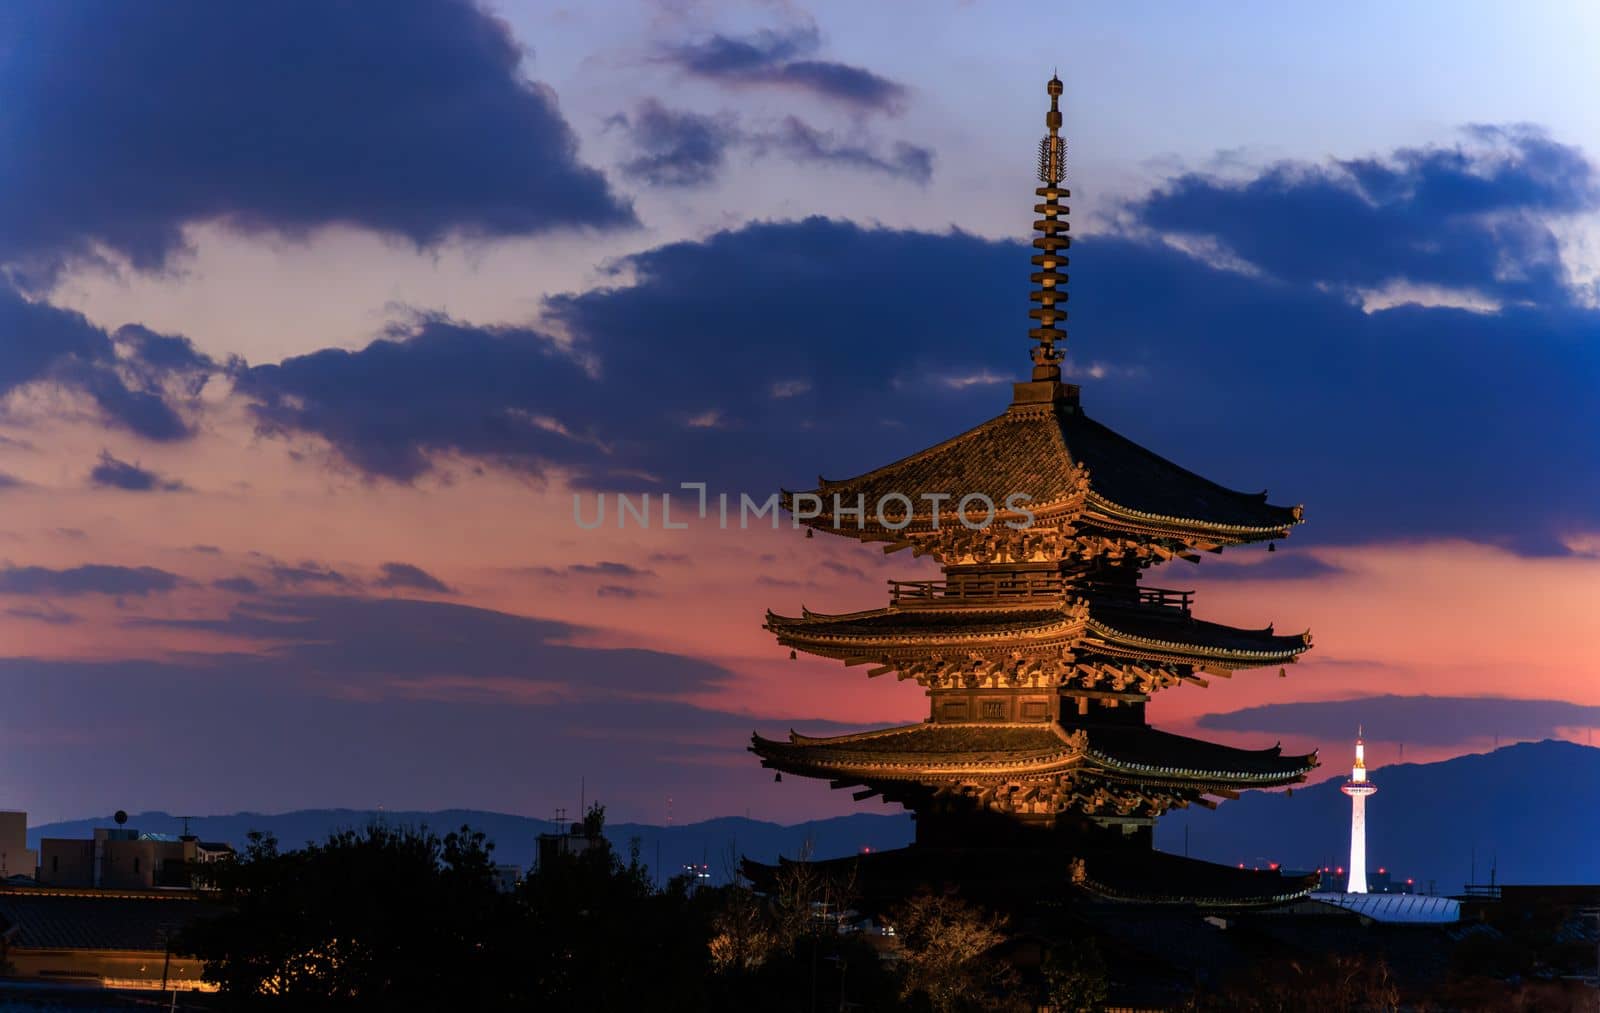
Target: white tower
1358, 788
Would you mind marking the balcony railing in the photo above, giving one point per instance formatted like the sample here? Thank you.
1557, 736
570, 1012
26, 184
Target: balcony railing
1134, 596
988, 587
976, 588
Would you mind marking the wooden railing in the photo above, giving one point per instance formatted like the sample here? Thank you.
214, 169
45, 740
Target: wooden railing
976, 587
973, 588
1142, 597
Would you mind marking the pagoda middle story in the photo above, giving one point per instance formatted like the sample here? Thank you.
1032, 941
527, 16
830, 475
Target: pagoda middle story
1039, 647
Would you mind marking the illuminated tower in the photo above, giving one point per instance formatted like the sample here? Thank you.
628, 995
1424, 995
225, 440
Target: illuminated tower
1358, 788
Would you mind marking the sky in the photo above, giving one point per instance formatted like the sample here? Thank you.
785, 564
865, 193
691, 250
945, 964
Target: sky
323, 333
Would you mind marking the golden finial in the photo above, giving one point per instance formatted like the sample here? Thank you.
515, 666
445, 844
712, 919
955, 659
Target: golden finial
1051, 242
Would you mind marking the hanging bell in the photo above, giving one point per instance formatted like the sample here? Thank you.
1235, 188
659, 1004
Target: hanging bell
791, 655
811, 532
777, 777
1272, 546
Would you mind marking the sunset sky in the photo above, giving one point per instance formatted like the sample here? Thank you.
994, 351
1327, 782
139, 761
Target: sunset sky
313, 321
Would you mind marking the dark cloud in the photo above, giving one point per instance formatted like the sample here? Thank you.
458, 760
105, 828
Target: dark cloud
1416, 720
112, 473
405, 575
784, 59
604, 568
1279, 566
842, 569
276, 114
368, 642
672, 147
307, 573
678, 148
803, 143
621, 591
236, 585
1472, 218
499, 394
126, 375
270, 742
10, 481
44, 614
1276, 383
93, 578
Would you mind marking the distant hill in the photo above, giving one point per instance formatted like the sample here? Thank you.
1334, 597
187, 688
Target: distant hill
1533, 807
717, 843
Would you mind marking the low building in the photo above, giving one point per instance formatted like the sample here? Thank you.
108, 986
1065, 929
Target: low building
122, 858
117, 939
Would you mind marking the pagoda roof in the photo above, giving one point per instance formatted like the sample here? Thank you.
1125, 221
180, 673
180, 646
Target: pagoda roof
1165, 634
1067, 463
929, 751
1147, 633
895, 626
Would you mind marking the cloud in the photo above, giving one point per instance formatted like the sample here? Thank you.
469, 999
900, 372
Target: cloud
804, 143
93, 578
1279, 566
112, 473
1415, 720
404, 575
621, 591
307, 573
404, 645
1473, 218
44, 614
472, 390
782, 59
417, 124
604, 568
679, 148
10, 481
236, 585
125, 375
674, 147
1320, 397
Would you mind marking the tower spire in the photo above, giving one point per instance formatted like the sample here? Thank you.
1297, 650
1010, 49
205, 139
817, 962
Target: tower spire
1051, 242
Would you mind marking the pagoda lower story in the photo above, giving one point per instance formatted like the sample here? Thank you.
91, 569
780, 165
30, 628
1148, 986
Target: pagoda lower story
1035, 775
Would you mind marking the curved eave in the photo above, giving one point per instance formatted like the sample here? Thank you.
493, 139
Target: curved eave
825, 632
1296, 771
834, 755
824, 756
1113, 514
1180, 651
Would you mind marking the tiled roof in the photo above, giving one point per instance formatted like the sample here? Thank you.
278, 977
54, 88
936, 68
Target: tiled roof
1171, 632
1041, 451
1135, 751
915, 748
49, 919
941, 624
1157, 634
1143, 750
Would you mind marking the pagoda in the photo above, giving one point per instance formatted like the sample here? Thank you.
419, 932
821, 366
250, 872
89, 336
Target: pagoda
1039, 647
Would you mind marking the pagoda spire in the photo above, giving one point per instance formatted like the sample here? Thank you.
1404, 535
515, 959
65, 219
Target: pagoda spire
1051, 242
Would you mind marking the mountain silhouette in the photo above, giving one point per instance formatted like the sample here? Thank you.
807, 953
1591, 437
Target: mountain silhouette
1530, 811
